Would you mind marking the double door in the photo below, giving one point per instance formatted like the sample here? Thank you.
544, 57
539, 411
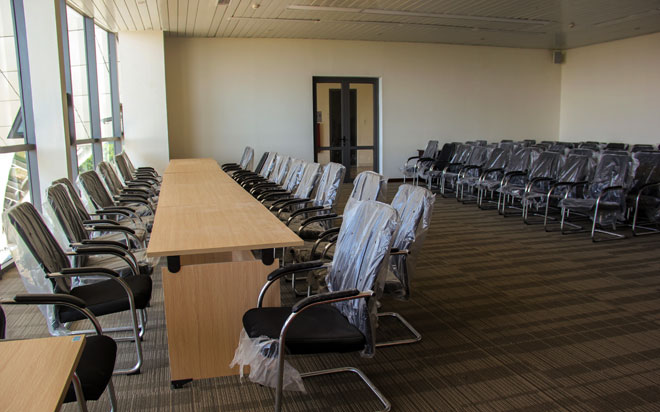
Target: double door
346, 123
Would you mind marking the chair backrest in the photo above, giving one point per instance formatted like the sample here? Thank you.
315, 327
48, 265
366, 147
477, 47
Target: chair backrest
93, 187
520, 160
261, 163
308, 179
498, 158
616, 146
576, 168
247, 158
269, 164
613, 169
367, 186
122, 165
360, 262
462, 153
75, 198
546, 165
647, 171
65, 220
110, 178
329, 185
431, 149
478, 156
293, 175
642, 148
584, 151
279, 174
415, 206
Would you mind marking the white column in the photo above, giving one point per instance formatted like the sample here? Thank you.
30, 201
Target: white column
44, 39
143, 96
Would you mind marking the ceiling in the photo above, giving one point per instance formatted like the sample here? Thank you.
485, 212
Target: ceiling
544, 24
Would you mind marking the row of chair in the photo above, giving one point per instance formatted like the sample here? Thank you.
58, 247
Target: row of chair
562, 183
350, 260
81, 263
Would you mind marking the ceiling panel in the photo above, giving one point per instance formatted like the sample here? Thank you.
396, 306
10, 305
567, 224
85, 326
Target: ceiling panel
546, 24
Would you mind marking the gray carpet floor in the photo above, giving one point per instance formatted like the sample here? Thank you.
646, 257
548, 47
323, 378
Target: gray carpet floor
513, 319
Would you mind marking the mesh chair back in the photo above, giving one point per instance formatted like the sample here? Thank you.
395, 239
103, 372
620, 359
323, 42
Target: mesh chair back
307, 181
546, 165
414, 205
293, 175
359, 262
75, 197
367, 186
329, 185
93, 187
247, 158
110, 178
431, 149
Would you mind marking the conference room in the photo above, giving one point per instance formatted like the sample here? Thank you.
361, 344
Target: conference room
435, 205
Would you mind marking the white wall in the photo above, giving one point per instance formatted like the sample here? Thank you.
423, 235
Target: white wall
142, 93
611, 92
223, 94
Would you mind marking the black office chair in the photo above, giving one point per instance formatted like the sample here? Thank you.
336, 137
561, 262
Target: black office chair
117, 189
94, 371
287, 186
261, 173
245, 163
277, 174
132, 177
45, 268
309, 175
418, 166
644, 195
347, 311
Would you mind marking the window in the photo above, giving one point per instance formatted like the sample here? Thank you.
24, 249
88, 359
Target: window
92, 86
18, 169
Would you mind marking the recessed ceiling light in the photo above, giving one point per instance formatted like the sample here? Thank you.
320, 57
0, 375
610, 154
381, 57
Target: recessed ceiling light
416, 14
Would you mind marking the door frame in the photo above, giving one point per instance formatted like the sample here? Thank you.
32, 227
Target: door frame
345, 82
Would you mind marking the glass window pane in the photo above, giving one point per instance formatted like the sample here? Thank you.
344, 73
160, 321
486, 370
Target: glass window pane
85, 159
79, 85
14, 187
103, 73
10, 99
108, 151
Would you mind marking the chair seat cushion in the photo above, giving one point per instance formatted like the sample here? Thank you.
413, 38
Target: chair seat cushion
95, 368
318, 329
587, 205
108, 296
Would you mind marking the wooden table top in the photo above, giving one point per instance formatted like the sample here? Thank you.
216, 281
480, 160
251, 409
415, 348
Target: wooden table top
35, 373
192, 166
207, 212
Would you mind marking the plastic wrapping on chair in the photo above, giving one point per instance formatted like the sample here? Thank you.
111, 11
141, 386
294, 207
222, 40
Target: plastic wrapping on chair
367, 186
268, 165
612, 170
122, 165
57, 218
360, 262
93, 191
478, 157
329, 185
25, 240
308, 178
293, 175
414, 205
647, 172
260, 354
247, 158
278, 163
416, 167
74, 195
281, 172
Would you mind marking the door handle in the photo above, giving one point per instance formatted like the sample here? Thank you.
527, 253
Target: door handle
343, 140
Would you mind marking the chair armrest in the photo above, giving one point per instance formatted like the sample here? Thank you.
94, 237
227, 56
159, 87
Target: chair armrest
101, 221
535, 180
426, 159
396, 251
507, 176
125, 255
88, 270
125, 199
412, 157
110, 212
281, 207
324, 298
271, 192
647, 186
97, 242
319, 218
279, 273
304, 211
112, 228
325, 236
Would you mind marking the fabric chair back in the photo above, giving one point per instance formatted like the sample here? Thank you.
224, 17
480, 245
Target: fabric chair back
414, 205
462, 153
642, 148
122, 165
308, 178
362, 249
75, 198
329, 185
261, 163
110, 178
94, 189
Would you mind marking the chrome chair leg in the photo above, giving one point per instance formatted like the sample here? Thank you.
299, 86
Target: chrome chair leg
112, 396
80, 397
417, 336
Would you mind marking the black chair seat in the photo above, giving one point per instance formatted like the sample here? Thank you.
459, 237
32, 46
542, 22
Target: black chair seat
95, 368
108, 296
318, 329
311, 231
588, 205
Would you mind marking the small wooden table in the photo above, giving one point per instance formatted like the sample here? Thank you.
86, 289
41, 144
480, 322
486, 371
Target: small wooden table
206, 225
35, 374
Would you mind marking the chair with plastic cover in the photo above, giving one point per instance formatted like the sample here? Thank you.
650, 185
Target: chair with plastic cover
118, 190
470, 175
442, 159
45, 268
135, 178
277, 175
145, 172
576, 168
491, 179
124, 217
418, 166
71, 232
451, 170
347, 311
642, 148
539, 164
616, 146
93, 375
263, 169
299, 196
245, 164
603, 199
644, 194
97, 198
288, 182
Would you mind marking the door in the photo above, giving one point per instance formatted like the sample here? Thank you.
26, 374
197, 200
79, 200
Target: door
346, 123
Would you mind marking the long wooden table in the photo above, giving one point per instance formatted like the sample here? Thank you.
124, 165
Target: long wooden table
35, 374
206, 225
